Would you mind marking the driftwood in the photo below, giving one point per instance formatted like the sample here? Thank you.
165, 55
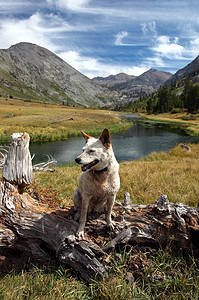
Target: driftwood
32, 228
44, 166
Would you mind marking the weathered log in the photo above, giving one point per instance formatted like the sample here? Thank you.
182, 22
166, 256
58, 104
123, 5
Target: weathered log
18, 165
28, 226
45, 233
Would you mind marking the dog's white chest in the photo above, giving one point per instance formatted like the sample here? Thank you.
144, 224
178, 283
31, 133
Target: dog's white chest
99, 185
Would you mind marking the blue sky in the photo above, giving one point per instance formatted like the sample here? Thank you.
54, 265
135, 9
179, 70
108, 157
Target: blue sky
103, 37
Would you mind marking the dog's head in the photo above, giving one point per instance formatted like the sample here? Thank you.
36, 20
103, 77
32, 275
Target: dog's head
96, 152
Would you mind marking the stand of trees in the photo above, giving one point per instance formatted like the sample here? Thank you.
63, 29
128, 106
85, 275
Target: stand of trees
173, 98
167, 99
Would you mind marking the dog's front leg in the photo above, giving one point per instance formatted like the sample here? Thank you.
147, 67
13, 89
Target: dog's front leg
83, 216
110, 202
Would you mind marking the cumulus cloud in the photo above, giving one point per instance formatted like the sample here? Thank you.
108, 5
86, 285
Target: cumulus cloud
92, 67
171, 49
168, 51
13, 31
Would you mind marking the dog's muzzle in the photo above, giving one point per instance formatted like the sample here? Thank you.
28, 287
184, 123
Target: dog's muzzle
90, 165
86, 167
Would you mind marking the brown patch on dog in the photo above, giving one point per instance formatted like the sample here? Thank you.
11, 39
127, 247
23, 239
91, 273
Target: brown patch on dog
85, 135
105, 138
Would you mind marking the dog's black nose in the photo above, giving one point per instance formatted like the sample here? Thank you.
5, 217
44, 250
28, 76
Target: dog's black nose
78, 160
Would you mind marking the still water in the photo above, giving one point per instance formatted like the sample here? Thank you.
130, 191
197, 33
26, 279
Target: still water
134, 143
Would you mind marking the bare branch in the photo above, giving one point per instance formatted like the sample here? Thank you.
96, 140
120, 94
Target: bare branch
44, 166
3, 155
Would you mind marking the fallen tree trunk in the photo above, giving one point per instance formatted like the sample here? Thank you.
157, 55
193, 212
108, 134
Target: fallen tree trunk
42, 233
32, 228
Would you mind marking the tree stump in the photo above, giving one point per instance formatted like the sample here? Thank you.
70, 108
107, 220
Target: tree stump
28, 226
18, 165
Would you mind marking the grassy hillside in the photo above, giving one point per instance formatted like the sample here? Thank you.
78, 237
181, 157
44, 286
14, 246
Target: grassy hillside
50, 122
158, 274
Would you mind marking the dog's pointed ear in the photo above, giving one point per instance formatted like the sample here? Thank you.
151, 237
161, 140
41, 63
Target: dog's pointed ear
86, 136
105, 138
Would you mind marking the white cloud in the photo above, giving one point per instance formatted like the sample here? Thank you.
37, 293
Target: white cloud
119, 40
38, 29
13, 31
75, 5
92, 67
119, 37
156, 62
171, 49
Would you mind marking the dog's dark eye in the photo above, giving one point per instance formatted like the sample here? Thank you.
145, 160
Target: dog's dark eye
91, 151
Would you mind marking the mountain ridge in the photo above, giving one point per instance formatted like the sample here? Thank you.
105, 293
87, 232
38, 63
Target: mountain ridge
189, 69
29, 70
179, 94
111, 80
130, 88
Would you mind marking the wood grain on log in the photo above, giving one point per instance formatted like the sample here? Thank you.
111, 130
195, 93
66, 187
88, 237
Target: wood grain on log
44, 233
18, 165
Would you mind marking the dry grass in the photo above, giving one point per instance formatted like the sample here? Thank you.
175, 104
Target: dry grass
48, 122
174, 173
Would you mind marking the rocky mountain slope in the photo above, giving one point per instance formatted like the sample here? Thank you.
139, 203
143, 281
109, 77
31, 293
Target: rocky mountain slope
131, 88
32, 72
190, 71
180, 92
113, 80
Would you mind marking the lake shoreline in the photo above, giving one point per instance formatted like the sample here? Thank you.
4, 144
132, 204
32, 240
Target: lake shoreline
189, 127
136, 142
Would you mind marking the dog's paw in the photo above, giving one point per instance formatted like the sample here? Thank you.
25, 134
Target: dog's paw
80, 235
111, 226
